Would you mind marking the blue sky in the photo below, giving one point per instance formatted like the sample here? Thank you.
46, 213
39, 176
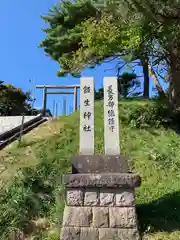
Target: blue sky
21, 59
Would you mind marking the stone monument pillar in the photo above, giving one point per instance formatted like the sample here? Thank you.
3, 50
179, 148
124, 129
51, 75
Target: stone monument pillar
100, 191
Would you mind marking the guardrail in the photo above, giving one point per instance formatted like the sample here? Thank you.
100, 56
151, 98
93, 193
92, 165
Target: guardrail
13, 134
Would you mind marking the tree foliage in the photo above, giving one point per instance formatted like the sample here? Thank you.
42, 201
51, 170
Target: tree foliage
111, 32
82, 33
99, 95
127, 86
77, 40
163, 30
13, 101
108, 37
63, 35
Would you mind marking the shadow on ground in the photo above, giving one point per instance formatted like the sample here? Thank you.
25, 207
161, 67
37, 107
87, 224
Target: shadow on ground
160, 215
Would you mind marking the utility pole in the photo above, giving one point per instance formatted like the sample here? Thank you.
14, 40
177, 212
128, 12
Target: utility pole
21, 129
53, 110
44, 100
75, 99
64, 106
56, 110
32, 93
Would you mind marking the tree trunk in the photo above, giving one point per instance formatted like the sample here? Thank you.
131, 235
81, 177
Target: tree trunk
146, 77
156, 82
174, 79
174, 88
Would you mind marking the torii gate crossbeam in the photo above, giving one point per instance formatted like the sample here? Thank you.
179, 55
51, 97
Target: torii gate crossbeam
45, 93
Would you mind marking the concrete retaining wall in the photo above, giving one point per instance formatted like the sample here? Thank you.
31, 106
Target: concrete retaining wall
11, 124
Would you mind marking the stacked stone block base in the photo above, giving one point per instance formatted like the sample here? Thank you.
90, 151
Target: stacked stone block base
100, 207
101, 234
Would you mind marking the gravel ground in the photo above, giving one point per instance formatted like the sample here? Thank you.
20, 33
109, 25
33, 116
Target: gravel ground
7, 123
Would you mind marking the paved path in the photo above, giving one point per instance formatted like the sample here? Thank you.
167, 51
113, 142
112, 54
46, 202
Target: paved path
7, 123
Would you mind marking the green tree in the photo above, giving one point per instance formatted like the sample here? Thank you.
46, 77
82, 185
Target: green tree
75, 38
63, 36
75, 34
99, 95
163, 29
127, 86
13, 101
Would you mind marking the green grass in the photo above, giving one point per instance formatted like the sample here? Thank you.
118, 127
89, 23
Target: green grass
31, 198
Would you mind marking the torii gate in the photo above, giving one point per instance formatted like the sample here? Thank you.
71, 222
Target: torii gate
45, 93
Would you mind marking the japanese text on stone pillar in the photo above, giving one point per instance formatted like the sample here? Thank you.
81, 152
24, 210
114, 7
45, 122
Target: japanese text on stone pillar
87, 114
111, 112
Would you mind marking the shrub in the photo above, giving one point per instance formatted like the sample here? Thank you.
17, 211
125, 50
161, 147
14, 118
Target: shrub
148, 115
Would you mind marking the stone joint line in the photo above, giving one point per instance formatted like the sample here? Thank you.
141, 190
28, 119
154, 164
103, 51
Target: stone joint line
100, 214
100, 197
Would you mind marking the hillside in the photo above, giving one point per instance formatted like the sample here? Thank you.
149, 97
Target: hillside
31, 192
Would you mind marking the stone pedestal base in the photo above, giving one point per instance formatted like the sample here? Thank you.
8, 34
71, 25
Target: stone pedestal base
100, 207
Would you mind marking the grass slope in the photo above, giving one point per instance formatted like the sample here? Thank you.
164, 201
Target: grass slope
31, 201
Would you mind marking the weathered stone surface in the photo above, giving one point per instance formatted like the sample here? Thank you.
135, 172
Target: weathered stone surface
111, 116
107, 197
99, 164
125, 197
108, 234
124, 217
89, 234
128, 234
74, 197
112, 180
86, 145
91, 197
100, 217
74, 233
70, 233
77, 216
